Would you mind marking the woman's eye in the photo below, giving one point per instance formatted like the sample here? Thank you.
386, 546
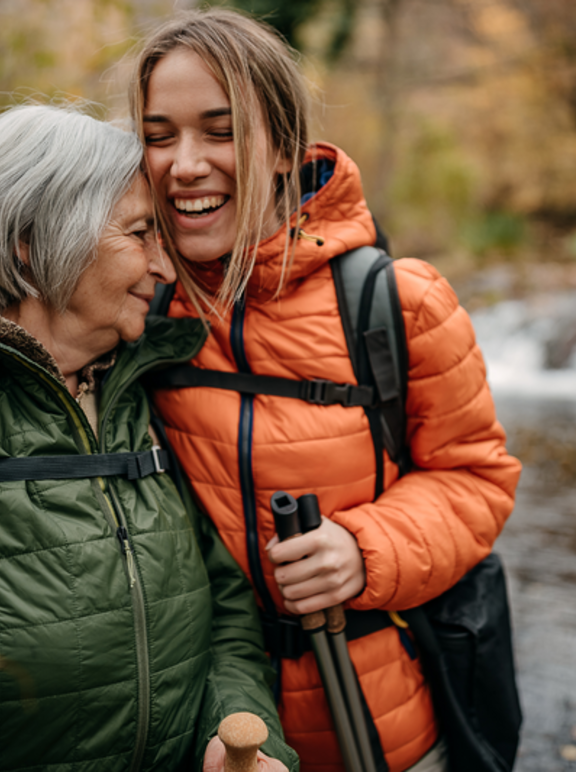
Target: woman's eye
156, 139
222, 133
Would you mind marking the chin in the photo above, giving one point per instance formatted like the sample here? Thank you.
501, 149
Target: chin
200, 253
133, 332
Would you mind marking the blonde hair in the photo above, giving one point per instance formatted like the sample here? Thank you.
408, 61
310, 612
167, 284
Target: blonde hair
259, 75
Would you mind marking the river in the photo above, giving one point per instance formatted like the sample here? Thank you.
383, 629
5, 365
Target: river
530, 350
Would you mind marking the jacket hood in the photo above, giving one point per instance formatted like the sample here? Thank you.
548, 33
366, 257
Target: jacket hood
17, 338
335, 218
164, 341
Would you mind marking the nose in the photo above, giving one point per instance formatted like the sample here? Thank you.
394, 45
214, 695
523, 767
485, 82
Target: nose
159, 264
190, 161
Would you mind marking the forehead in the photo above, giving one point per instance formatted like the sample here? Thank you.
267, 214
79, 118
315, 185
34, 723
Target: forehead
135, 204
181, 79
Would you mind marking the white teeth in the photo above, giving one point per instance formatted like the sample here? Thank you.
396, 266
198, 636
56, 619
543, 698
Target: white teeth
198, 204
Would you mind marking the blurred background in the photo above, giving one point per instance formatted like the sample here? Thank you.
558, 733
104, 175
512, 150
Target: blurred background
462, 117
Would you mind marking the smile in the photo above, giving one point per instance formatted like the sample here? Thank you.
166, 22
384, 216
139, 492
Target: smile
196, 207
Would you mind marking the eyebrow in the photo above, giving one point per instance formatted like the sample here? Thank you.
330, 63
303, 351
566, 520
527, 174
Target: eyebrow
217, 112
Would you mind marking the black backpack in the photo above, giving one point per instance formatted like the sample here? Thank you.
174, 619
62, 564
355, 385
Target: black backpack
463, 636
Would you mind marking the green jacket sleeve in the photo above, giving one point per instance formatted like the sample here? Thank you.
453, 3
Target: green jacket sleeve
240, 674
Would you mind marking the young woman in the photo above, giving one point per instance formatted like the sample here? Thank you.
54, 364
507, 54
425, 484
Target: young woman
253, 215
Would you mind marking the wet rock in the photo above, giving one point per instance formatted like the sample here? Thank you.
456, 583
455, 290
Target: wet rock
538, 546
568, 752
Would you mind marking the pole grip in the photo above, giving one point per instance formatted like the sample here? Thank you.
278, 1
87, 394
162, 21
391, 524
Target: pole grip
242, 735
285, 510
309, 512
310, 519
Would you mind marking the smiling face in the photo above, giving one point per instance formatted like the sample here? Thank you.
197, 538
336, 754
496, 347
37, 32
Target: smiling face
113, 296
192, 160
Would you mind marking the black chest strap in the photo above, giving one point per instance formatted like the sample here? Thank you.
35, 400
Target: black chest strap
134, 466
315, 392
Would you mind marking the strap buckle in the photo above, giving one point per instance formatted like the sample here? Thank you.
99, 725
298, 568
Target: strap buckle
159, 469
284, 636
322, 392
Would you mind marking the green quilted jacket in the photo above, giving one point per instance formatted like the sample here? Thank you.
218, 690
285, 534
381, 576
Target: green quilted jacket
119, 649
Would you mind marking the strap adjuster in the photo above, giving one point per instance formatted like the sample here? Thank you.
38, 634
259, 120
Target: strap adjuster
322, 392
156, 458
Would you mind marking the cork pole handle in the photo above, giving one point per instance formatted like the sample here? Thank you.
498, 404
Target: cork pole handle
242, 735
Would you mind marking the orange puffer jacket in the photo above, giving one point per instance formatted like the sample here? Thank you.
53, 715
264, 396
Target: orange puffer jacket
423, 533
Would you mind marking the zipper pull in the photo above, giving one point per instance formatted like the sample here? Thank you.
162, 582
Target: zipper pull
122, 535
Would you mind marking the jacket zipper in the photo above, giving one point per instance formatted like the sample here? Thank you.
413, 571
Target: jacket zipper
245, 432
117, 517
118, 520
138, 601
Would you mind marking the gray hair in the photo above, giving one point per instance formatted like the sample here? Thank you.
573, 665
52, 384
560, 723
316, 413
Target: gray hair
61, 174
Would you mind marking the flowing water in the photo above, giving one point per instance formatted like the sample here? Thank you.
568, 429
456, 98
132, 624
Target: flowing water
530, 351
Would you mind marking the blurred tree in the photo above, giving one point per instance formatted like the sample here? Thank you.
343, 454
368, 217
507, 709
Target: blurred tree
553, 25
288, 18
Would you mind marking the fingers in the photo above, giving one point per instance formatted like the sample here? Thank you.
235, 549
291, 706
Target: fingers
214, 756
327, 568
319, 601
296, 548
301, 570
266, 764
216, 753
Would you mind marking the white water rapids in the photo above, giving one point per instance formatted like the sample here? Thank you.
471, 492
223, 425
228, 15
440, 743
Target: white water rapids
530, 346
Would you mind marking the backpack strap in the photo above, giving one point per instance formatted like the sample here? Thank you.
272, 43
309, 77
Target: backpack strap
374, 329
315, 392
134, 466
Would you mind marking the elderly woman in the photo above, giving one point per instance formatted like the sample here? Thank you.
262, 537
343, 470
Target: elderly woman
127, 632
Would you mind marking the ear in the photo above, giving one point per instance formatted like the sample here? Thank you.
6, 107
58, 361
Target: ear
283, 165
24, 252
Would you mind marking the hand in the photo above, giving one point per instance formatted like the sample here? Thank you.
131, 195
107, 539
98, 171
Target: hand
216, 753
319, 569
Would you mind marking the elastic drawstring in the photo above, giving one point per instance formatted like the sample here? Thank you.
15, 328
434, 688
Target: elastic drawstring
397, 619
306, 236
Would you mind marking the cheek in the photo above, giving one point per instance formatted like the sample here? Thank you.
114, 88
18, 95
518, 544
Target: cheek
158, 165
231, 164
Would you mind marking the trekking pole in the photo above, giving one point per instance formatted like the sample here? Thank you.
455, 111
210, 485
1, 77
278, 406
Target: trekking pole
311, 519
285, 510
242, 735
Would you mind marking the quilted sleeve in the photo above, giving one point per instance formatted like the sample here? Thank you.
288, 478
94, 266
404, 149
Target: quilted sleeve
433, 525
240, 675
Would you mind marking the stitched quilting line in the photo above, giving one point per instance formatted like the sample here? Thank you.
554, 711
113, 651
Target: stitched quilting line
57, 422
120, 609
48, 697
184, 433
473, 350
483, 386
113, 756
436, 328
428, 290
154, 707
139, 534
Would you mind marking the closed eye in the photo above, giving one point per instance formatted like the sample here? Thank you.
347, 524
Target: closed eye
143, 235
223, 134
156, 139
